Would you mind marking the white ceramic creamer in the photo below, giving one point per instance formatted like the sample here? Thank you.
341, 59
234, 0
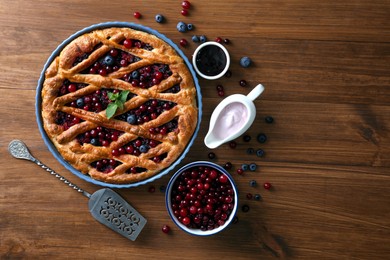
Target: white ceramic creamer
232, 117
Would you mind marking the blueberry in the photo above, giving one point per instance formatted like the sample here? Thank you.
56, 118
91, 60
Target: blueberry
245, 167
195, 38
162, 188
262, 138
143, 148
80, 102
260, 152
95, 141
246, 138
269, 119
108, 60
190, 27
250, 151
135, 74
252, 183
252, 167
159, 18
245, 208
181, 27
257, 197
131, 119
245, 62
202, 38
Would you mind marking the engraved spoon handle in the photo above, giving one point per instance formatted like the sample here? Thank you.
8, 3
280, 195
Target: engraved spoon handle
19, 150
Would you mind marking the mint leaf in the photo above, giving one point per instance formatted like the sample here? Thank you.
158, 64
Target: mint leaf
113, 96
123, 96
111, 109
119, 104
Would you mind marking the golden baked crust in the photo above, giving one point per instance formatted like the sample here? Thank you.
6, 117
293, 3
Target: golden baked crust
68, 68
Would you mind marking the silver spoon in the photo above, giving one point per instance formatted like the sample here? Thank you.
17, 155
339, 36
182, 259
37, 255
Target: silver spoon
105, 205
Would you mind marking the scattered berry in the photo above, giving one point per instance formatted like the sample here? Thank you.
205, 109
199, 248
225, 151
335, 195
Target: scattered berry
186, 4
257, 197
232, 144
228, 166
202, 38
226, 41
137, 15
261, 138
252, 183
183, 42
252, 167
218, 39
165, 229
260, 152
228, 74
240, 171
195, 38
250, 151
242, 83
163, 188
267, 185
245, 208
249, 196
269, 119
159, 18
181, 27
244, 167
245, 62
246, 138
184, 12
152, 189
211, 155
190, 27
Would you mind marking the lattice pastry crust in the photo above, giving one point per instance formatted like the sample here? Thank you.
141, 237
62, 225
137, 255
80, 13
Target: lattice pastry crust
66, 120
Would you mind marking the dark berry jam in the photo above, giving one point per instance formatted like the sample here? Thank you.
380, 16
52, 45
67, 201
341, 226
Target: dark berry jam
211, 60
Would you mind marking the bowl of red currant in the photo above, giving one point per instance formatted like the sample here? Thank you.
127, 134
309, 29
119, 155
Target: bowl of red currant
201, 198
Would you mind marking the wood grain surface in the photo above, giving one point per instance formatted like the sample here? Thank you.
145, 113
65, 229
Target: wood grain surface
326, 69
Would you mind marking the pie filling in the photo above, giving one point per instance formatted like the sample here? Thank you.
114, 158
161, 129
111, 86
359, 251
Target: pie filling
154, 122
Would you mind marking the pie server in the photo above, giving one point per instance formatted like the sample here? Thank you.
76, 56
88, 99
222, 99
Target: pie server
105, 205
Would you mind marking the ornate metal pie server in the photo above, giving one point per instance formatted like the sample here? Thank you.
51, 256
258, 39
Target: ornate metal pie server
105, 205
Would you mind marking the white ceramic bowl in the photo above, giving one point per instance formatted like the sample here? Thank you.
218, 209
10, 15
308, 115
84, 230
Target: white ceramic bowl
170, 196
198, 70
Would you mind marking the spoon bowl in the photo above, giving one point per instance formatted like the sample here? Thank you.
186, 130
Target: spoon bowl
232, 117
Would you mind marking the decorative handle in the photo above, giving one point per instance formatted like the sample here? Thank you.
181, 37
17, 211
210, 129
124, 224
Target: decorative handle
19, 150
256, 91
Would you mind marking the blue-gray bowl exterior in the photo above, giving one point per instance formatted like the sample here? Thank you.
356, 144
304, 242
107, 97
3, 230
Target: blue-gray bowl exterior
186, 167
38, 102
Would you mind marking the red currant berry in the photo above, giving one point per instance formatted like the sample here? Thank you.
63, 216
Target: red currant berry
128, 43
240, 171
184, 12
165, 229
249, 196
226, 41
72, 88
221, 93
137, 15
232, 144
242, 83
186, 4
223, 178
152, 189
218, 39
183, 42
186, 221
267, 185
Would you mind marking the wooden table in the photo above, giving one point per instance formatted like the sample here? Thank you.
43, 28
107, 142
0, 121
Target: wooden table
326, 69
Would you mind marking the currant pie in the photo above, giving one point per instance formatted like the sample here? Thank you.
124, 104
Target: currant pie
119, 104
